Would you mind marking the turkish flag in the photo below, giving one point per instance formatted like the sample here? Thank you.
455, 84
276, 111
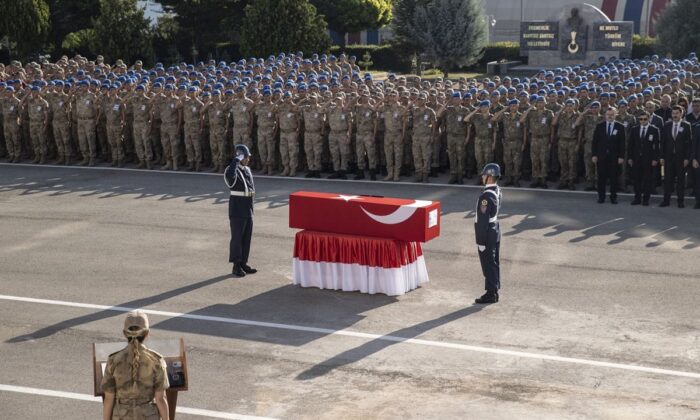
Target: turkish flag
392, 218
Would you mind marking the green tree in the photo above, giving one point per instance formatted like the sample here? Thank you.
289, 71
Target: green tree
402, 25
678, 27
26, 24
71, 16
204, 24
122, 31
354, 15
451, 33
273, 26
79, 42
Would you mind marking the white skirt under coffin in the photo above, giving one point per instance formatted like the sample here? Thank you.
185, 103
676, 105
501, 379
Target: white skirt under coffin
356, 277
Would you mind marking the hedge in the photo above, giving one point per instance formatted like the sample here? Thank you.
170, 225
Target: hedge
644, 46
384, 57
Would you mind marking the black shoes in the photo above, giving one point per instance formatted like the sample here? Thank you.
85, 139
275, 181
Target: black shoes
359, 175
613, 200
372, 175
535, 184
248, 269
601, 200
681, 205
697, 205
664, 204
636, 202
238, 271
490, 296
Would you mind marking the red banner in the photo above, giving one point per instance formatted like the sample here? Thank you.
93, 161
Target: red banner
392, 218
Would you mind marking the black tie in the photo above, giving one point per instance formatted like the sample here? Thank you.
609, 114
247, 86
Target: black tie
610, 129
644, 132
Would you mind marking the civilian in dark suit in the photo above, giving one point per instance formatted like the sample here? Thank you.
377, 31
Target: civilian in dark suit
239, 179
675, 155
608, 154
695, 163
659, 123
643, 155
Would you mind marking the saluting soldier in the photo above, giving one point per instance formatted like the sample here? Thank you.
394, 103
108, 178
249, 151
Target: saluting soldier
135, 378
192, 109
339, 121
114, 108
314, 124
393, 115
589, 120
87, 115
513, 143
11, 120
565, 121
60, 110
484, 133
266, 115
38, 124
170, 111
424, 133
539, 125
365, 121
289, 122
239, 179
453, 118
140, 105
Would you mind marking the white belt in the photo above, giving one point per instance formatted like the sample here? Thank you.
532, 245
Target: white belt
493, 220
242, 194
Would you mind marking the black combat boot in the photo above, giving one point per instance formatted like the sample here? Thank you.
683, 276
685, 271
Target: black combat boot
359, 175
334, 175
372, 174
491, 296
342, 175
238, 270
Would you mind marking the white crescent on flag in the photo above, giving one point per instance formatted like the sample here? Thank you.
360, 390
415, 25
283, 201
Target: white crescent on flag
401, 214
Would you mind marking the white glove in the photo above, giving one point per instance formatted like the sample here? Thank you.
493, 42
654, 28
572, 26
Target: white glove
481, 248
240, 157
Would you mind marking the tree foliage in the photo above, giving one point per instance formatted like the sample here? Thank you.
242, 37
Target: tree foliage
26, 24
71, 16
79, 42
122, 31
678, 27
203, 24
354, 15
451, 33
273, 26
402, 25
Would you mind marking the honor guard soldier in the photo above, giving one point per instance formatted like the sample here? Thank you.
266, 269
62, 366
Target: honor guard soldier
239, 179
488, 232
135, 378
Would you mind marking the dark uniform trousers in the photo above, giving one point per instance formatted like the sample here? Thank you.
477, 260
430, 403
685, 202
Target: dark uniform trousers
643, 148
488, 236
239, 179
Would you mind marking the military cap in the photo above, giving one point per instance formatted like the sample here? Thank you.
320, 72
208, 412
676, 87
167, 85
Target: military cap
484, 103
514, 102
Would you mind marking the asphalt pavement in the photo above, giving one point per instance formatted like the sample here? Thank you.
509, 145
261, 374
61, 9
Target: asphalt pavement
598, 315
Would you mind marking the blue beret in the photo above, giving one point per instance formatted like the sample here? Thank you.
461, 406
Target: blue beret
595, 104
485, 103
514, 102
216, 92
457, 95
570, 102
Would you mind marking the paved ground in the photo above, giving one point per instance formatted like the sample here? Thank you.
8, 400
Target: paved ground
590, 283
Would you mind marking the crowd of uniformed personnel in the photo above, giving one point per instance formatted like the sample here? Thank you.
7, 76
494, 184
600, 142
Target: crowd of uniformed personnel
323, 114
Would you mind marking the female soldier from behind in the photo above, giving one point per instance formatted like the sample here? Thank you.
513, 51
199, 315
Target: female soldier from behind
135, 378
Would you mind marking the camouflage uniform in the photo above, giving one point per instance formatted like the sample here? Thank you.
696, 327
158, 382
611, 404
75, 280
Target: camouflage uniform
393, 116
192, 117
365, 118
289, 122
424, 120
241, 112
512, 144
85, 109
11, 111
628, 121
38, 108
266, 115
169, 111
338, 138
60, 108
114, 120
217, 114
483, 144
141, 109
539, 123
313, 139
568, 146
453, 118
590, 121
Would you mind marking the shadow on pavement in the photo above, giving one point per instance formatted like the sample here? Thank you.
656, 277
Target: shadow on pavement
289, 305
97, 316
365, 350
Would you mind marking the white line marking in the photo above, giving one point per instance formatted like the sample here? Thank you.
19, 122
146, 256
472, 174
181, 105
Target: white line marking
301, 179
348, 333
90, 398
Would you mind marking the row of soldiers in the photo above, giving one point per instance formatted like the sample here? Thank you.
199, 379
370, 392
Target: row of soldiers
301, 114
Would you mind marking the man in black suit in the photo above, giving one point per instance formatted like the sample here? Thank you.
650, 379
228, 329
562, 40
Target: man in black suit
695, 163
239, 179
643, 157
659, 123
675, 155
608, 154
